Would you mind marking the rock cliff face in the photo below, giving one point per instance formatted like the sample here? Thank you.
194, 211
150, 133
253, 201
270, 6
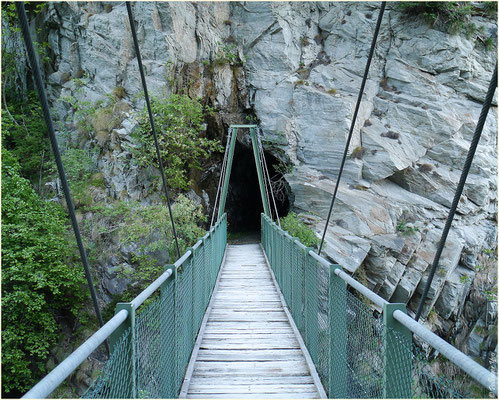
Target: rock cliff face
297, 68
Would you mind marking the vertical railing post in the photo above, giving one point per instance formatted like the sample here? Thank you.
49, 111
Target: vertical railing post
192, 290
397, 355
130, 373
176, 330
337, 299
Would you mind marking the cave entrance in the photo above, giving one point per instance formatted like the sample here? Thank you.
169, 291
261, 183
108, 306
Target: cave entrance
244, 202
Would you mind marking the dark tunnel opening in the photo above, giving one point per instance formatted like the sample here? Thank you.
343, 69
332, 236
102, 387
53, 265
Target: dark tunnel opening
244, 202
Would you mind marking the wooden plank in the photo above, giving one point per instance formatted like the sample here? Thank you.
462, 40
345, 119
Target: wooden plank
311, 395
237, 342
246, 335
263, 346
249, 355
252, 380
222, 389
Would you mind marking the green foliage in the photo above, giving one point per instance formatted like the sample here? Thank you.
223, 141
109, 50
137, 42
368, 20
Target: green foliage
358, 152
119, 92
489, 44
296, 228
464, 279
452, 16
283, 168
490, 8
150, 226
12, 70
179, 124
491, 294
79, 165
406, 229
38, 278
10, 15
227, 54
83, 110
432, 316
25, 134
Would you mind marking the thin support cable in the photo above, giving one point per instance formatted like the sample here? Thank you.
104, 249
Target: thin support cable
151, 120
37, 75
260, 154
354, 118
272, 192
460, 186
222, 176
224, 170
268, 178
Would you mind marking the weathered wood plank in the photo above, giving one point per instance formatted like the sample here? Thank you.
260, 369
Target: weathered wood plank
222, 389
228, 346
311, 395
252, 380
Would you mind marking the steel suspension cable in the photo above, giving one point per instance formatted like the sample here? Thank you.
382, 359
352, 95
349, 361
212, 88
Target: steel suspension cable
222, 175
268, 177
260, 152
151, 120
462, 180
37, 75
354, 118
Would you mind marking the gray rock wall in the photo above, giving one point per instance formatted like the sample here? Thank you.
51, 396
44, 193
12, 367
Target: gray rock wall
303, 66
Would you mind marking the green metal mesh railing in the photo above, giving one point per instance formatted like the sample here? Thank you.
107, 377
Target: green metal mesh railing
356, 354
150, 358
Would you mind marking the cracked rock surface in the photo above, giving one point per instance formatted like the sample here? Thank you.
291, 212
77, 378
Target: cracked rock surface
303, 67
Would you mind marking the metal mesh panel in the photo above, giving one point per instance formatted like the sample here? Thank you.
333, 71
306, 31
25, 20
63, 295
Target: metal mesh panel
150, 359
155, 349
364, 350
110, 384
184, 318
423, 382
355, 354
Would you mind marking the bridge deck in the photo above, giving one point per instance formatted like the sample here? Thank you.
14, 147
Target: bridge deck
248, 347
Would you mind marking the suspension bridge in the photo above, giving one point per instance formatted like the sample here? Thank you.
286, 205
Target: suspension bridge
269, 320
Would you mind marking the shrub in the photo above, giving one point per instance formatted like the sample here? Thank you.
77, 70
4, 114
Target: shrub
425, 167
25, 134
227, 54
119, 92
331, 91
358, 152
391, 135
39, 281
452, 16
296, 228
150, 227
405, 229
489, 44
179, 125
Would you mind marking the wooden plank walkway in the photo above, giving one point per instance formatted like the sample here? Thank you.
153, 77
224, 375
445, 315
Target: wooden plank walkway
247, 346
